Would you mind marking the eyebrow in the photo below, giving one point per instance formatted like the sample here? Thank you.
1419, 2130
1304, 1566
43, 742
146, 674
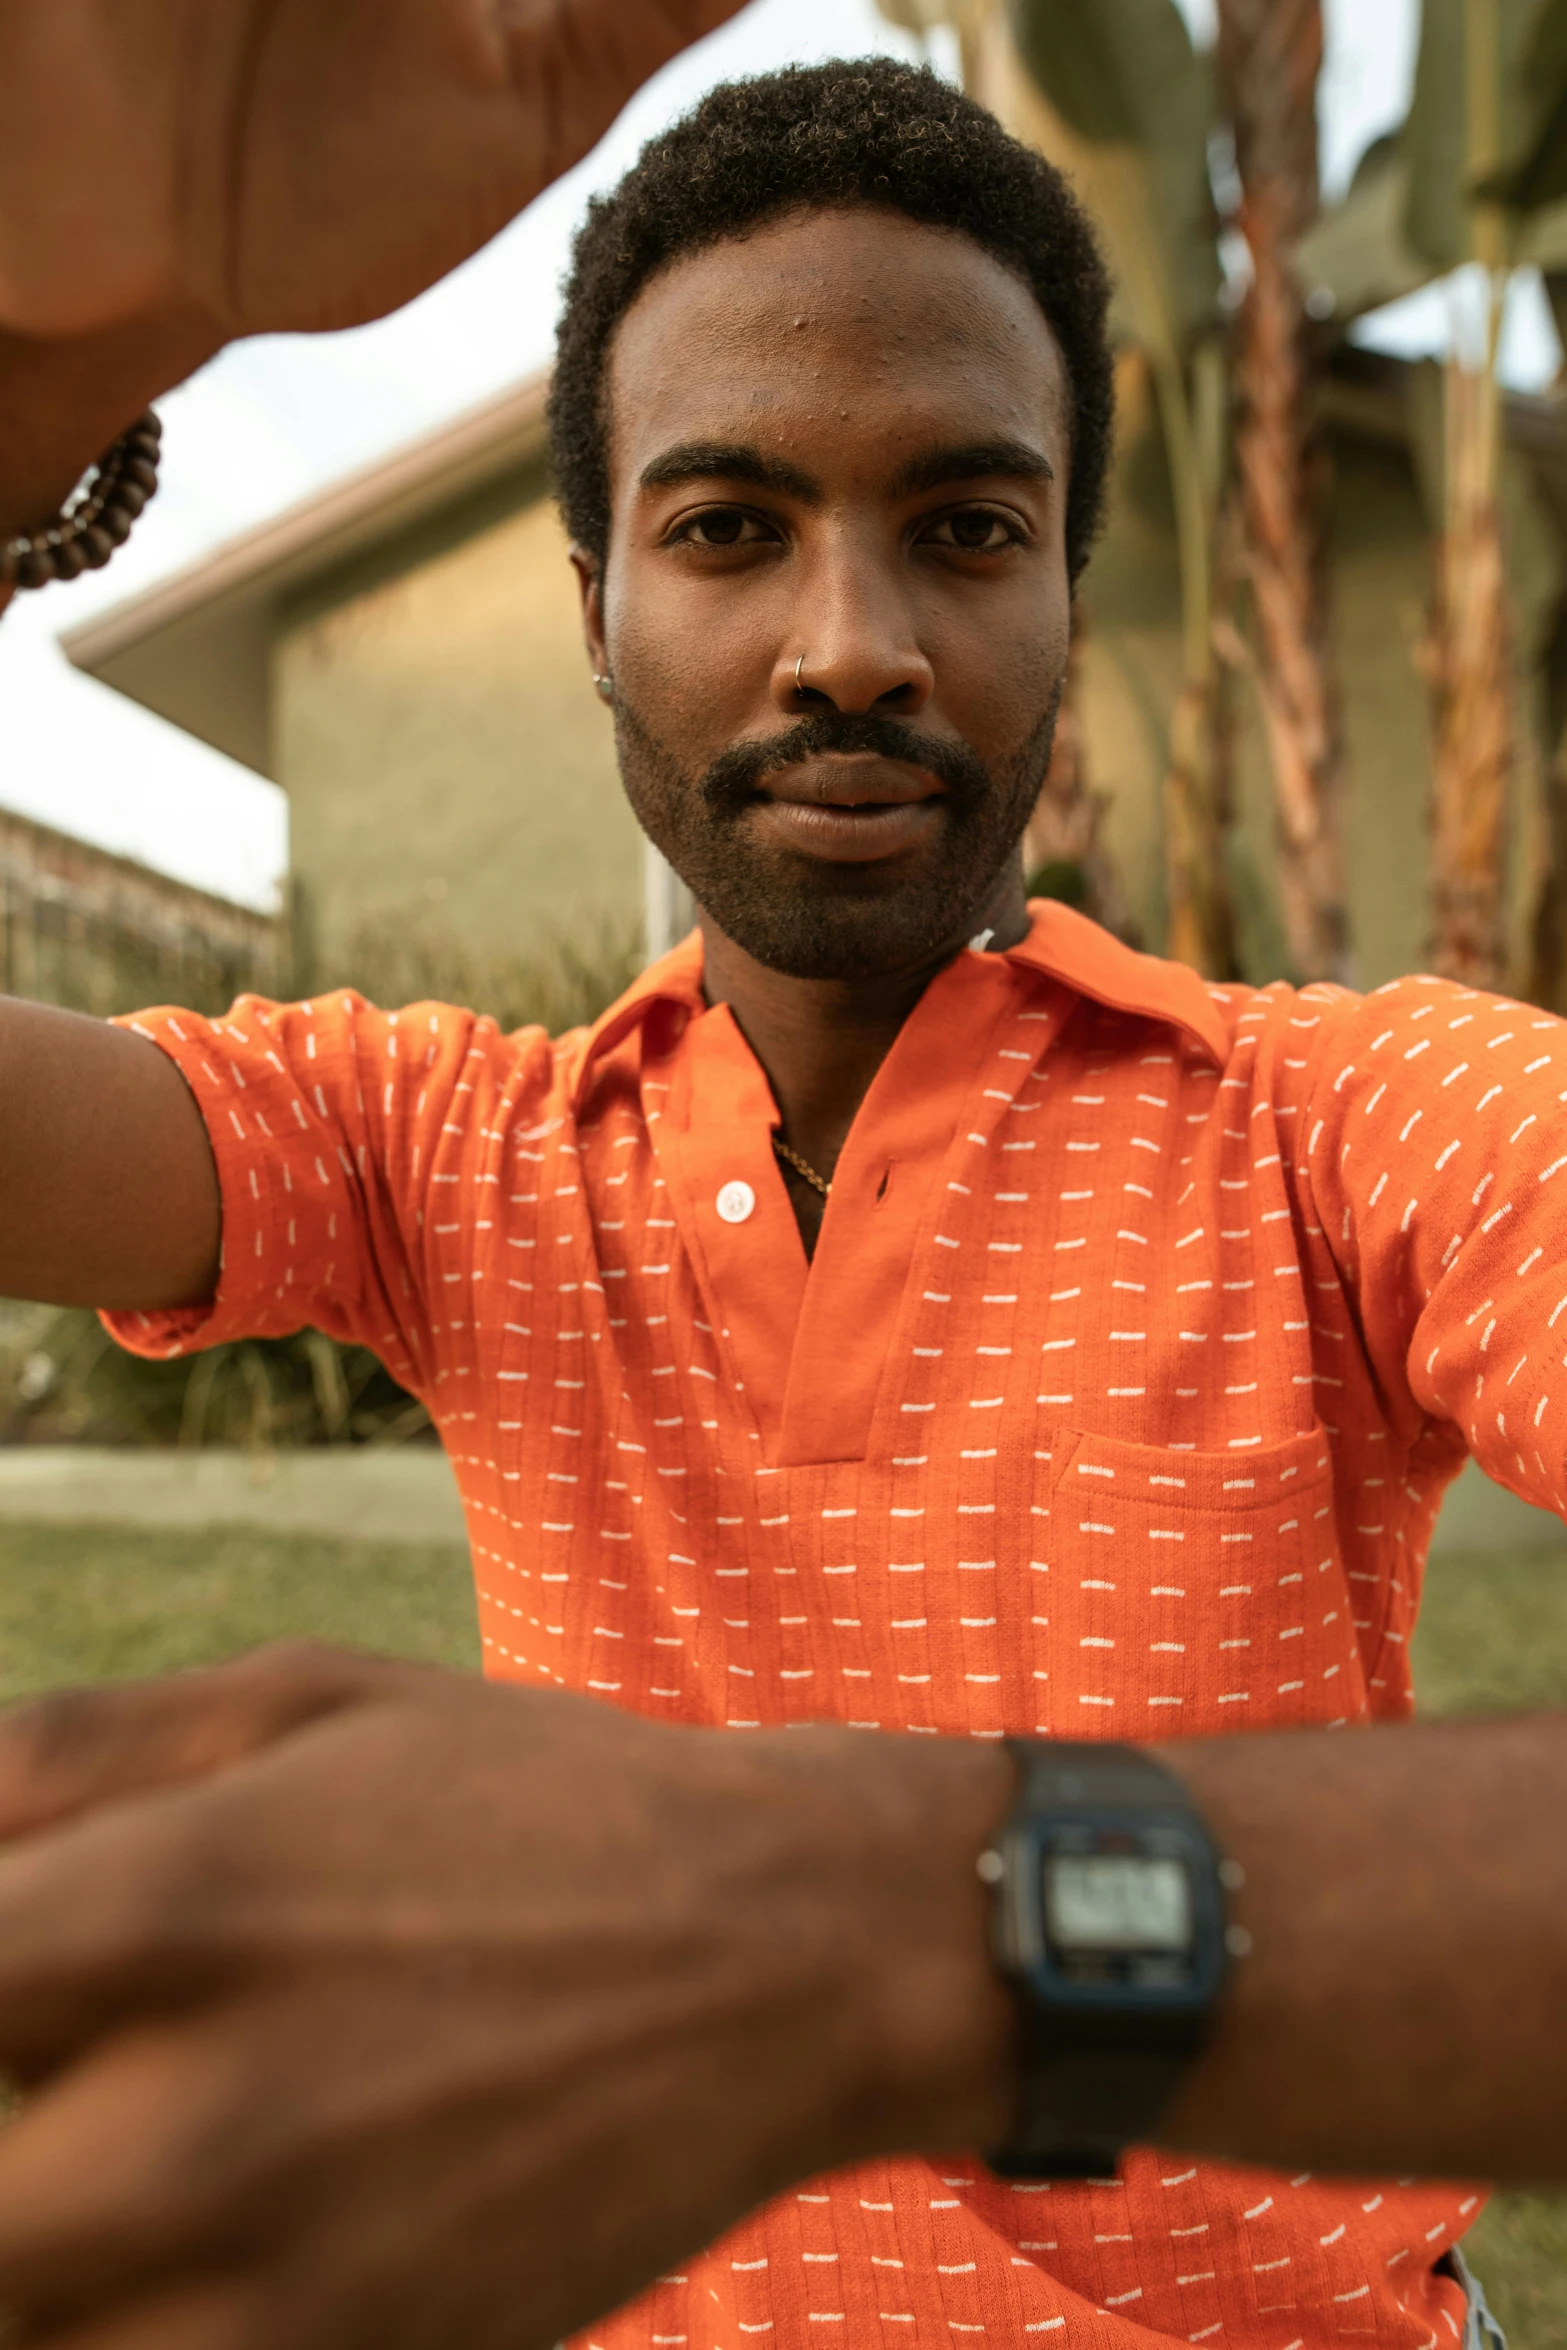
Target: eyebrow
978, 461
742, 461
730, 461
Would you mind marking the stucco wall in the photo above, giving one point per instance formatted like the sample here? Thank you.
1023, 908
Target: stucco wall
446, 758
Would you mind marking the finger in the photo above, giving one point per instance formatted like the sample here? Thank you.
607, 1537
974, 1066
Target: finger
118, 1916
296, 2140
150, 1886
130, 2171
68, 1753
119, 1906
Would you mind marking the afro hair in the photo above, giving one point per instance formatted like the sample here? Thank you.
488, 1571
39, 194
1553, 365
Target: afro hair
863, 132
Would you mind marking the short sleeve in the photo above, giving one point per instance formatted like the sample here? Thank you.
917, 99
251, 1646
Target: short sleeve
1433, 1142
334, 1126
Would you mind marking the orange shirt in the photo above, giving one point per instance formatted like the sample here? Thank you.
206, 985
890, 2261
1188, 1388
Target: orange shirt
1147, 1324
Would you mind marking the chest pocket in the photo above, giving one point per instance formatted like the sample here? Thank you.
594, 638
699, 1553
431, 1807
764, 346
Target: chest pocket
1196, 1594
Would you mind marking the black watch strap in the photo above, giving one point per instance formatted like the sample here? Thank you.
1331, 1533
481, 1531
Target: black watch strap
1054, 1773
1096, 2083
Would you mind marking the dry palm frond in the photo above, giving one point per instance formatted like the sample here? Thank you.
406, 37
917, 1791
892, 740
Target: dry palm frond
1270, 56
1468, 661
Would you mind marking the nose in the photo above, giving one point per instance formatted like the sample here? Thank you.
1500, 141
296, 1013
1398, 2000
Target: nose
854, 646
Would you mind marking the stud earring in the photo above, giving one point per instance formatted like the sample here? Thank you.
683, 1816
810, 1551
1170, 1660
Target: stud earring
606, 687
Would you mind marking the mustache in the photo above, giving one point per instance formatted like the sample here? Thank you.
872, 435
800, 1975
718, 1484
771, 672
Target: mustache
736, 775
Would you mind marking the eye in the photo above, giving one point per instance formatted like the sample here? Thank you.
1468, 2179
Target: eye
722, 526
975, 530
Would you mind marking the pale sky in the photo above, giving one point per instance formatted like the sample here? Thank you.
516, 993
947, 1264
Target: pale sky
271, 421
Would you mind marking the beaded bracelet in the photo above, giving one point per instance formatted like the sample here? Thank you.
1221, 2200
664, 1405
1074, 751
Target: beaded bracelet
99, 517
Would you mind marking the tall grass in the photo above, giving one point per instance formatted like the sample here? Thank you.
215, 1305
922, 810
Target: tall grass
563, 981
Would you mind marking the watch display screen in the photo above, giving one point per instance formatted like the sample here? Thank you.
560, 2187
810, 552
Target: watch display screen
1114, 1902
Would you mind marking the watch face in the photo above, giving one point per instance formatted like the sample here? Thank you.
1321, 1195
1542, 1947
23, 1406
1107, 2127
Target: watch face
1114, 1902
1118, 1910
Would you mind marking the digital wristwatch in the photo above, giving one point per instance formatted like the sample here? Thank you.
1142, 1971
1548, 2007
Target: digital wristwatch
1110, 1926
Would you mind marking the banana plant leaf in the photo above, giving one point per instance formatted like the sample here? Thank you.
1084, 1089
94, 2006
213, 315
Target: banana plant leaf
1356, 256
1527, 170
1533, 170
1137, 104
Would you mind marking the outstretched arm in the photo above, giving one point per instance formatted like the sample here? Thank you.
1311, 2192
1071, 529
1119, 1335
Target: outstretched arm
390, 1992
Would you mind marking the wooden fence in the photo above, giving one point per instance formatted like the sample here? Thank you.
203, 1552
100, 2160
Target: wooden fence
100, 933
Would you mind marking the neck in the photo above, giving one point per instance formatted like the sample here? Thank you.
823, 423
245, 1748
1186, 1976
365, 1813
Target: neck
821, 1041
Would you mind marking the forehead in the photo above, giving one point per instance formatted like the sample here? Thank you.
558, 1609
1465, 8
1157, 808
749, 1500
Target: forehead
835, 329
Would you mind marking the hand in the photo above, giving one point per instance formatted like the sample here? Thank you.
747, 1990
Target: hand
371, 2004
275, 164
176, 173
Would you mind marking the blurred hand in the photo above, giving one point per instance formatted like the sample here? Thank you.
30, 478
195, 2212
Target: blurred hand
363, 2005
177, 173
272, 164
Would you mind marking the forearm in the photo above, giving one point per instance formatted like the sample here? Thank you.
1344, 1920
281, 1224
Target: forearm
1402, 2005
108, 1193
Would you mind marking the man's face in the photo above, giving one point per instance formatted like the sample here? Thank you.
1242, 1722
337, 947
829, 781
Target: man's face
836, 602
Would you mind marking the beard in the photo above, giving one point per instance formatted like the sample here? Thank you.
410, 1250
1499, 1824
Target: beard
810, 918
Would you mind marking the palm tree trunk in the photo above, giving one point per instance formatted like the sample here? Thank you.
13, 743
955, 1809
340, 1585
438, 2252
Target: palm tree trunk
1198, 793
1469, 659
1270, 57
1199, 781
1469, 654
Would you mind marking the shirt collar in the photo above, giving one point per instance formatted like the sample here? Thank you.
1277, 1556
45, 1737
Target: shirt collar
676, 978
1067, 946
1060, 944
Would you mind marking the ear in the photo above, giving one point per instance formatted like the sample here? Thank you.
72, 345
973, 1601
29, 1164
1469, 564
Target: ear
590, 587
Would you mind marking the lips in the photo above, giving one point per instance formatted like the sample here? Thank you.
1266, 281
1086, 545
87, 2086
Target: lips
847, 810
848, 782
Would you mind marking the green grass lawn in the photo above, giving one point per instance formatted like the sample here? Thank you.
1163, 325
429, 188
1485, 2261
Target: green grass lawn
87, 1604
93, 1603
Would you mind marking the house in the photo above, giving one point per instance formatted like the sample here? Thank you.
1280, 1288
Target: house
403, 655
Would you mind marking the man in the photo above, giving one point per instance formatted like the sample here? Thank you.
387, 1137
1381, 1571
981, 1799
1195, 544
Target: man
905, 1310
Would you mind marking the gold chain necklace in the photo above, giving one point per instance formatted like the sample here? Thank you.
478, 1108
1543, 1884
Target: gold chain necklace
802, 1167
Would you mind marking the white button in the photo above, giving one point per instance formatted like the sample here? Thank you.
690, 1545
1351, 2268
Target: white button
735, 1202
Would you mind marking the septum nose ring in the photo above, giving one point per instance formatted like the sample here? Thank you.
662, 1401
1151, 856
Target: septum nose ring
799, 665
